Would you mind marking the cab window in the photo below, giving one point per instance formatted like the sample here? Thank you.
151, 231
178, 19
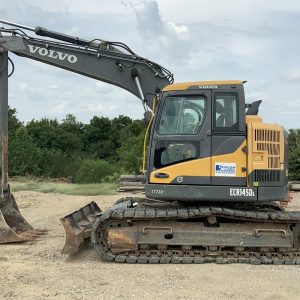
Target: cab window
225, 112
171, 152
182, 115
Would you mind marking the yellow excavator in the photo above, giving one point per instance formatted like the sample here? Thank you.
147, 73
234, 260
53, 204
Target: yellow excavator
215, 172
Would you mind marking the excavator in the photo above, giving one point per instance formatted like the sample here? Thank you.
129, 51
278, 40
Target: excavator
216, 174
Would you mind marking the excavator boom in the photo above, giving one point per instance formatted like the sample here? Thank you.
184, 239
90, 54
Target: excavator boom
111, 62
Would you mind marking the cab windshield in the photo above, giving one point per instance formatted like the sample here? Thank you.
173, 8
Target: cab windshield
182, 115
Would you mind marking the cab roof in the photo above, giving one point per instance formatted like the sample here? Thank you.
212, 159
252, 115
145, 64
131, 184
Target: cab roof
207, 84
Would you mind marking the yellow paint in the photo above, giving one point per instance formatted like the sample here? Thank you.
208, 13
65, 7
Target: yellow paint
202, 166
259, 159
253, 119
147, 134
186, 85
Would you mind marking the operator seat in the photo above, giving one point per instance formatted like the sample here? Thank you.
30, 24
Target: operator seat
221, 118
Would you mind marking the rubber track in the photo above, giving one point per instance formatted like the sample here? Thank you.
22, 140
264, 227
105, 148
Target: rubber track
158, 256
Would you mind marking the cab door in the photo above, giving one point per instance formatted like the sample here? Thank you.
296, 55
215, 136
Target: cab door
228, 138
181, 139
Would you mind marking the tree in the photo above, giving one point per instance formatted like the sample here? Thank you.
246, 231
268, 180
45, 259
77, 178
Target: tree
294, 139
93, 171
56, 164
13, 122
294, 154
98, 138
49, 134
131, 153
43, 132
294, 164
24, 155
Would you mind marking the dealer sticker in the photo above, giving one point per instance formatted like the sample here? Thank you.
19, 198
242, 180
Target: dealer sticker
225, 169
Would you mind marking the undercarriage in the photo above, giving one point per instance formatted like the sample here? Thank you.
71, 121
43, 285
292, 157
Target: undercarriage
145, 231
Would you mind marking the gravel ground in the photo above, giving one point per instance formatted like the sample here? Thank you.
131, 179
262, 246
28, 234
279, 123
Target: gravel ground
38, 270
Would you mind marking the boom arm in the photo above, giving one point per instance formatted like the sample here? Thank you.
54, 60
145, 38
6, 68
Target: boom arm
112, 62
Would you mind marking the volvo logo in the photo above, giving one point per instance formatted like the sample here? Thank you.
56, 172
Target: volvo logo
208, 86
53, 54
179, 179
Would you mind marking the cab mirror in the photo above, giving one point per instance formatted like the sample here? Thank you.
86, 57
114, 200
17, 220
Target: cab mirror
147, 116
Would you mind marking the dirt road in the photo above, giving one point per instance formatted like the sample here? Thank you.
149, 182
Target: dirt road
39, 271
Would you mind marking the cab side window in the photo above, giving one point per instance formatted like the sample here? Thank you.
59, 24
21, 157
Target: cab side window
225, 112
182, 115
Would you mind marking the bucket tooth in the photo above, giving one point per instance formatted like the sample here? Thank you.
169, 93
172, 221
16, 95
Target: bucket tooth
78, 226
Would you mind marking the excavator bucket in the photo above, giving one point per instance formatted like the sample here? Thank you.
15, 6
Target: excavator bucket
78, 226
13, 227
7, 235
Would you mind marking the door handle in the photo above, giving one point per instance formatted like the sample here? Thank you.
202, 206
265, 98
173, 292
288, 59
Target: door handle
161, 175
208, 133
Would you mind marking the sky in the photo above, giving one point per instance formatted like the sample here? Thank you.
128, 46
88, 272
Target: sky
253, 40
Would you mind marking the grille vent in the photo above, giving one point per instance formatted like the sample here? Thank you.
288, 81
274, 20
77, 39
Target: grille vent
269, 140
266, 175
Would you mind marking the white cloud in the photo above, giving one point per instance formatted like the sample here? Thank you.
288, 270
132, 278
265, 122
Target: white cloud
292, 75
60, 107
182, 31
198, 59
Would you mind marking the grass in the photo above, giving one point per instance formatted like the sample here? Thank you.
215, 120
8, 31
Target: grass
91, 189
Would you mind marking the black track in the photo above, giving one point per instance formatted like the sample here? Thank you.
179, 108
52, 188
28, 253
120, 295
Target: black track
142, 213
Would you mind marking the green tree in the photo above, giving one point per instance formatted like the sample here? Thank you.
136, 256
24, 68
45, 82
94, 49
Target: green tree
56, 164
294, 154
294, 164
24, 155
131, 153
87, 152
50, 134
294, 139
98, 138
93, 171
44, 133
13, 122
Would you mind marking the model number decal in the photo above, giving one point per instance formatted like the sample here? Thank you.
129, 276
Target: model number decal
235, 192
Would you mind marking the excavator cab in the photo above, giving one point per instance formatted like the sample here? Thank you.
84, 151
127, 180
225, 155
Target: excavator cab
198, 125
206, 147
